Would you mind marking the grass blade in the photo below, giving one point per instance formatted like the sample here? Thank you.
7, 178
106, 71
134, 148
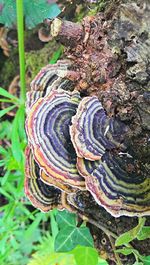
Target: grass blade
4, 111
6, 94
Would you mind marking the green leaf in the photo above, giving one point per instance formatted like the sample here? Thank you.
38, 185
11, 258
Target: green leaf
125, 251
85, 255
54, 225
145, 259
56, 55
5, 129
130, 235
16, 145
35, 12
138, 263
64, 218
144, 233
21, 123
4, 111
28, 233
102, 262
69, 237
6, 94
8, 12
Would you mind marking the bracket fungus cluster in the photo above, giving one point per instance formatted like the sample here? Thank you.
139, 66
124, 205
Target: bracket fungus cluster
74, 146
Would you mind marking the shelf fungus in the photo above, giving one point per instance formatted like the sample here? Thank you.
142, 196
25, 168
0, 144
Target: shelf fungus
53, 76
47, 127
42, 196
92, 132
116, 184
76, 146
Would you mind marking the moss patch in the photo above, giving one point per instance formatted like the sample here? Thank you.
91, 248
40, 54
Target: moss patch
35, 60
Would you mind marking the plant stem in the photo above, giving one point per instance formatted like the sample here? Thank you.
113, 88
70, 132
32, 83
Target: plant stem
20, 25
114, 250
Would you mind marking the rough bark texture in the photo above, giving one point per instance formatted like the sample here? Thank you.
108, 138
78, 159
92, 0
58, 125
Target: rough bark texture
111, 54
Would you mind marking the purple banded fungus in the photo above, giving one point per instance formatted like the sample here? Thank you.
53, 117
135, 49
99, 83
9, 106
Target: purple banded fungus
41, 195
51, 77
47, 128
92, 132
116, 184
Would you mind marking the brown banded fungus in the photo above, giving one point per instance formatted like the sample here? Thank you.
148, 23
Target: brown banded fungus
41, 195
92, 132
51, 77
47, 128
116, 184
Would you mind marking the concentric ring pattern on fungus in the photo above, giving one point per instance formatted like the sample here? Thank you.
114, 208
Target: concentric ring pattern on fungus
116, 184
50, 77
92, 132
41, 195
47, 127
73, 144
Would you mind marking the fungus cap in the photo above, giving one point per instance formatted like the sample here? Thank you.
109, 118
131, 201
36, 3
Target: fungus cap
92, 132
47, 127
116, 184
51, 77
41, 195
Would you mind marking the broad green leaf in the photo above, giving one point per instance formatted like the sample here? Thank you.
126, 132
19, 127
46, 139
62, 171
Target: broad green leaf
8, 12
85, 255
102, 262
35, 12
130, 235
69, 237
144, 233
64, 218
145, 259
6, 94
5, 111
52, 259
62, 259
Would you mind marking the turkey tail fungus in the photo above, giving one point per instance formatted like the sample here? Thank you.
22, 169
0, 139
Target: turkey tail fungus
88, 117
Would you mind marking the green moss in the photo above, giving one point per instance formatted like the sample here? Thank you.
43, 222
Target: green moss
10, 69
35, 60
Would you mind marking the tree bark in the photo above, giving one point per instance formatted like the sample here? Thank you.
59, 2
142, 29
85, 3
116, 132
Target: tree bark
111, 53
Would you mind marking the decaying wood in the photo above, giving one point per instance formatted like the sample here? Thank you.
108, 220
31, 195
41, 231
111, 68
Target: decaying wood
111, 53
